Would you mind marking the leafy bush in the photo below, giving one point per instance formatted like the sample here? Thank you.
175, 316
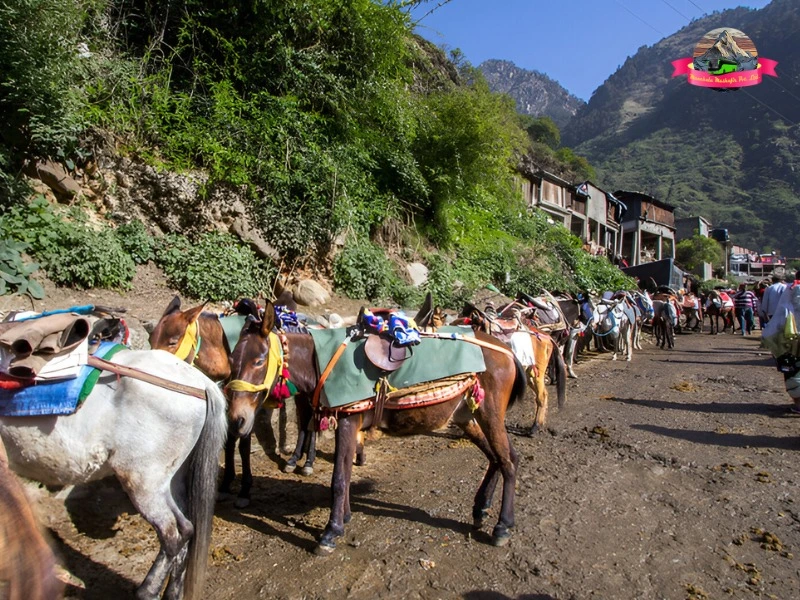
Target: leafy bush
362, 270
137, 242
15, 273
216, 266
71, 250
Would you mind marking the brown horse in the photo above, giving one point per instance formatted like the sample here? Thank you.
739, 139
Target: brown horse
715, 308
502, 382
537, 351
27, 564
207, 349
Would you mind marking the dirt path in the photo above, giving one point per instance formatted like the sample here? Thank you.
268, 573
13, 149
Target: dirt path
674, 476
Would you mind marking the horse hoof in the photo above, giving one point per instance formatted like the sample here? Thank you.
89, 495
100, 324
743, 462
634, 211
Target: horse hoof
289, 468
500, 536
307, 471
324, 549
287, 450
242, 502
360, 461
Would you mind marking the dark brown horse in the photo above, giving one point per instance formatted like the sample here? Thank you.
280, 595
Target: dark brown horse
27, 565
206, 347
717, 307
502, 382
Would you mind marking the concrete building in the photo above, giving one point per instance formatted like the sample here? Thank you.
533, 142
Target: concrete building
648, 228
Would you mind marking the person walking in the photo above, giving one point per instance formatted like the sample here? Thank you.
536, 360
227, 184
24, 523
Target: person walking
782, 338
744, 303
772, 295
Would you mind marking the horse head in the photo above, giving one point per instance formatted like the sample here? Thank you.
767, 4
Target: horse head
255, 363
170, 332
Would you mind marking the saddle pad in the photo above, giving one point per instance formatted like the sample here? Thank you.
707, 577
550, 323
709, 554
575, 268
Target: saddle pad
353, 377
59, 397
232, 327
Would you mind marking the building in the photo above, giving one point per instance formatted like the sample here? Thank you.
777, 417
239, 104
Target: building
601, 227
586, 210
648, 228
685, 229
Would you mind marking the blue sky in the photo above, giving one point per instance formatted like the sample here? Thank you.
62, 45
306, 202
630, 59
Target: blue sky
556, 38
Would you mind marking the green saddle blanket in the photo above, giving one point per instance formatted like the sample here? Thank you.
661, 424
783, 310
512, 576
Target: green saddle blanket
232, 326
353, 377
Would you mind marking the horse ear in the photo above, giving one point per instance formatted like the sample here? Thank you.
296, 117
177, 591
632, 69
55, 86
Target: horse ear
268, 322
174, 305
192, 314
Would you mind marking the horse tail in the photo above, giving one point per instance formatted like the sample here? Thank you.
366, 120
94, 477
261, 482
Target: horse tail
201, 488
520, 383
560, 368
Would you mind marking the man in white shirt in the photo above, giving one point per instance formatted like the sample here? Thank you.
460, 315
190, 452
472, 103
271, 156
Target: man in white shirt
771, 297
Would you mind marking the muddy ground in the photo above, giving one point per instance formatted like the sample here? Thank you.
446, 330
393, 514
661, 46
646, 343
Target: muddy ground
673, 476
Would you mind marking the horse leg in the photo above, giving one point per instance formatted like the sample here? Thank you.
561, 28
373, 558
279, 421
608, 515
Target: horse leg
361, 458
229, 473
283, 424
485, 493
629, 342
310, 449
174, 531
304, 423
340, 483
245, 445
569, 354
536, 383
491, 421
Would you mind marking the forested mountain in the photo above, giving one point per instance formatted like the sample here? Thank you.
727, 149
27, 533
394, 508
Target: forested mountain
534, 92
730, 156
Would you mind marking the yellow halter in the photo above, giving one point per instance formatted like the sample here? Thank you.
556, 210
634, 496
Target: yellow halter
274, 363
189, 342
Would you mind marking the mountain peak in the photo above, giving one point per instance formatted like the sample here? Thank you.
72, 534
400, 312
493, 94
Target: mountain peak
535, 93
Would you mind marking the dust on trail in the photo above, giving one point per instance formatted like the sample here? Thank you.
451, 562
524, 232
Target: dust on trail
673, 476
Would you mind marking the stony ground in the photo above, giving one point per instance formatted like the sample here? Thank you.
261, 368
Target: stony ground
673, 476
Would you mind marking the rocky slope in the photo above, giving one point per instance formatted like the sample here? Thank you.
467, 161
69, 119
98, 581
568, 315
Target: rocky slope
534, 92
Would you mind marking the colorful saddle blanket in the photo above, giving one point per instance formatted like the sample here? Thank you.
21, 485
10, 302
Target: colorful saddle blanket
353, 377
56, 398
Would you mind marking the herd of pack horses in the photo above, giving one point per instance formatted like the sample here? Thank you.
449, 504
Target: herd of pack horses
220, 390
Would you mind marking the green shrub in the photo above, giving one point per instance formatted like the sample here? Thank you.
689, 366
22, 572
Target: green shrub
216, 266
72, 251
362, 270
15, 273
139, 244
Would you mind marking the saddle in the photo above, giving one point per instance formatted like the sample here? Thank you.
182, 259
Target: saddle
389, 337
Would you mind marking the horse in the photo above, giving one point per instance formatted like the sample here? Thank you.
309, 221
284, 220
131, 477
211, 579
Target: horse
27, 564
502, 382
161, 444
717, 306
207, 349
692, 312
613, 319
645, 304
664, 321
537, 351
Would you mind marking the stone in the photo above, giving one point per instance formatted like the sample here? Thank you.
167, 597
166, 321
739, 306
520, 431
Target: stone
310, 293
417, 273
55, 176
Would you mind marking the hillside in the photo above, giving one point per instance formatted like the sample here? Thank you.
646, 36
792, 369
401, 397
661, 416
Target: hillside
732, 157
309, 137
534, 92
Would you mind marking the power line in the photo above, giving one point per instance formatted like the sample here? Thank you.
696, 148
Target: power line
702, 10
641, 19
676, 10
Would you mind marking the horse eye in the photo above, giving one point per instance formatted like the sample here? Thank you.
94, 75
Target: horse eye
258, 362
173, 341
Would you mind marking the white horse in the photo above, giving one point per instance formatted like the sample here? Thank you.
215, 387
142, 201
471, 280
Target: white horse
162, 445
613, 318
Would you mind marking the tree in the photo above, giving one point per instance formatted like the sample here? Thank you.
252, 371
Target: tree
699, 249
